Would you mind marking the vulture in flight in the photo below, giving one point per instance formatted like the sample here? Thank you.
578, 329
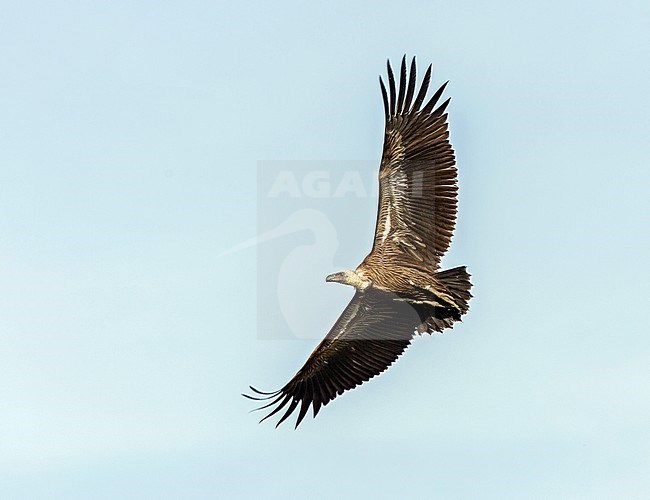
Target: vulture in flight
400, 289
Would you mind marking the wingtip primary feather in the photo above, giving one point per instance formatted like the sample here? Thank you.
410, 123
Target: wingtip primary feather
391, 85
402, 86
434, 99
424, 86
384, 96
411, 87
268, 404
262, 392
304, 408
290, 410
441, 109
283, 403
264, 395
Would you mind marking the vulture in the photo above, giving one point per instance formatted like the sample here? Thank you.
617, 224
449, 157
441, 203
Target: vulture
400, 289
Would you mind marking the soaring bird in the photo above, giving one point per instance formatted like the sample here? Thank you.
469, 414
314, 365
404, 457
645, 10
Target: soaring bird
400, 289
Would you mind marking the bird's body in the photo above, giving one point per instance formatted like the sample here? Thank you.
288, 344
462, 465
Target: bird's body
399, 287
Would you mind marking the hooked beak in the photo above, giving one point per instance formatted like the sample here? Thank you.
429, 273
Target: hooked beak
336, 277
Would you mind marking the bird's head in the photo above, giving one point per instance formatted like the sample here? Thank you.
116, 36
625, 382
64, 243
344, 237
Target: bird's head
351, 278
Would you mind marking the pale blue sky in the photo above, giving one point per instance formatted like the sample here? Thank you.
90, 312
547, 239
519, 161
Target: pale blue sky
129, 139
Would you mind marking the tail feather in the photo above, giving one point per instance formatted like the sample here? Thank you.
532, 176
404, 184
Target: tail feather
457, 281
458, 285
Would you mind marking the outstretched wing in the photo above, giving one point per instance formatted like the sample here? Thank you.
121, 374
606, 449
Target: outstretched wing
417, 176
371, 333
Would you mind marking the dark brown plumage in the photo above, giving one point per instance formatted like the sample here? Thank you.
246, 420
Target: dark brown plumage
400, 290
